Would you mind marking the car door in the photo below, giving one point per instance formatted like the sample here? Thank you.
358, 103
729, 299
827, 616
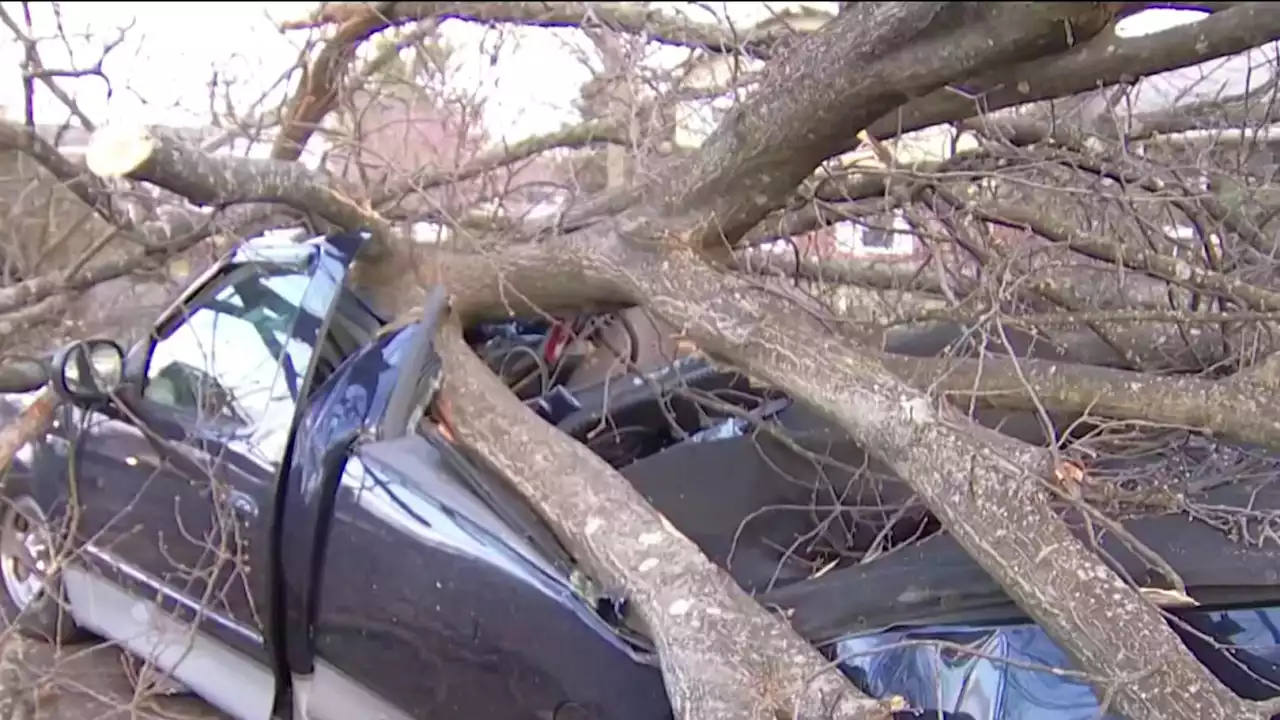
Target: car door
175, 483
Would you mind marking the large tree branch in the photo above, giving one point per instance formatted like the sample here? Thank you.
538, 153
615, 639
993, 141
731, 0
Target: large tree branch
1230, 409
837, 81
1105, 60
219, 181
698, 617
987, 501
546, 281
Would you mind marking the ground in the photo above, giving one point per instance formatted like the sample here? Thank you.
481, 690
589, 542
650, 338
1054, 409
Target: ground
86, 683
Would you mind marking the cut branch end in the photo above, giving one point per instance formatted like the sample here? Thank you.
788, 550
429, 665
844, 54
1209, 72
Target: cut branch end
116, 152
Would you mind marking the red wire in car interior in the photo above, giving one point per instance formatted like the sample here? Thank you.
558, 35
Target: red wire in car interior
556, 341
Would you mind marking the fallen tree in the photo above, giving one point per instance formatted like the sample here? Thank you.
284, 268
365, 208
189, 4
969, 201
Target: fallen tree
668, 240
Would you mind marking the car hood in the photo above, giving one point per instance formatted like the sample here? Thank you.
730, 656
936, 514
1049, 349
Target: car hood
1003, 672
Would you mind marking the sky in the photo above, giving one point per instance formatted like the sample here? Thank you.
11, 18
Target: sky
161, 73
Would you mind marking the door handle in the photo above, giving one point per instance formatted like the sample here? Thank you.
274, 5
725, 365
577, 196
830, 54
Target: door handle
242, 504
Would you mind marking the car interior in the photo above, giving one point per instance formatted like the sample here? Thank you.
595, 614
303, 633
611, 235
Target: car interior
780, 494
354, 325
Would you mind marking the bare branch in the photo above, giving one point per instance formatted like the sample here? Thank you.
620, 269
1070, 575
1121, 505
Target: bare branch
1165, 266
576, 136
656, 25
37, 69
1105, 60
1229, 409
837, 82
91, 191
218, 181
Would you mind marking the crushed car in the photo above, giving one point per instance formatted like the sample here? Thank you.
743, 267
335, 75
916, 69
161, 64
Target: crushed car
257, 500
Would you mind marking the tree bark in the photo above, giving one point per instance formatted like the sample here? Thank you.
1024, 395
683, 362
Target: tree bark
1106, 60
860, 66
993, 504
150, 155
722, 655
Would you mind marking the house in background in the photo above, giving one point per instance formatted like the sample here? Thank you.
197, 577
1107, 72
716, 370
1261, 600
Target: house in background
405, 144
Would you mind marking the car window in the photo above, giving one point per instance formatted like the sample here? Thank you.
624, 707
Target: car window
236, 359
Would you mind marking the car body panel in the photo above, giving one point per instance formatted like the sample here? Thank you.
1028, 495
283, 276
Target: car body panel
235, 683
428, 597
428, 582
346, 407
1014, 671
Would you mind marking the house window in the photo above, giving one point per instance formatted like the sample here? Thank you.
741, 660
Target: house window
1188, 235
875, 238
897, 238
429, 233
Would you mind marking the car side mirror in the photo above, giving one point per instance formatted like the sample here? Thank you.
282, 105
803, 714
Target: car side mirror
88, 371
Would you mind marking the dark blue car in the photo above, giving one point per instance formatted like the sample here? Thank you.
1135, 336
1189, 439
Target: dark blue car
256, 500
